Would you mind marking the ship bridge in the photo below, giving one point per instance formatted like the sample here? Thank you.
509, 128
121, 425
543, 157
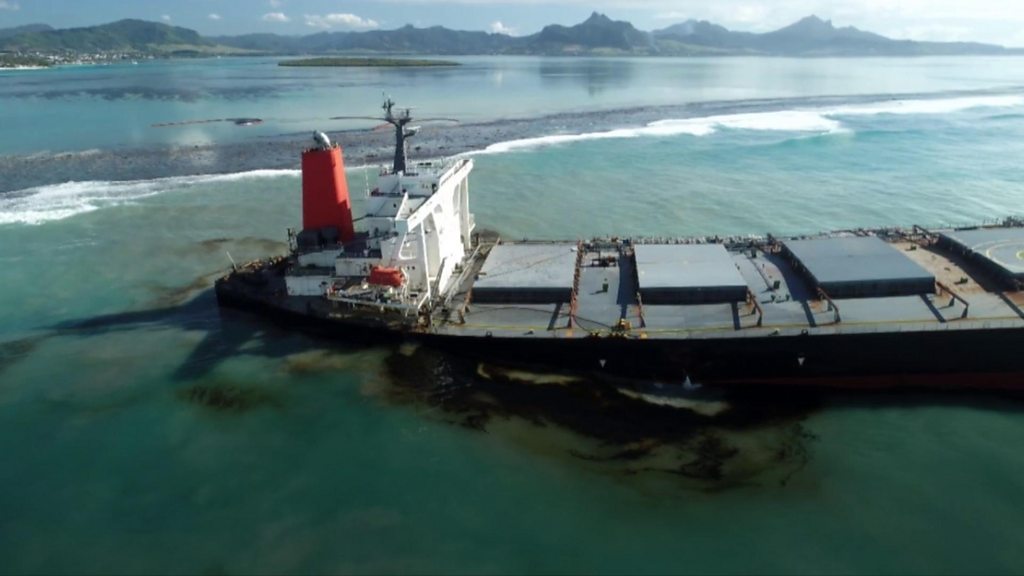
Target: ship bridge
416, 227
413, 235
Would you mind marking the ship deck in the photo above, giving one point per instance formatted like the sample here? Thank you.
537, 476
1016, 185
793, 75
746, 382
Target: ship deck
922, 284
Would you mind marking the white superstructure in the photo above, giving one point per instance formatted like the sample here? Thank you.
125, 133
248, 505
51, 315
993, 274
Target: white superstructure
411, 241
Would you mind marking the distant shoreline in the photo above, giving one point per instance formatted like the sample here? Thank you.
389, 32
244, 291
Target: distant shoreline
366, 63
15, 62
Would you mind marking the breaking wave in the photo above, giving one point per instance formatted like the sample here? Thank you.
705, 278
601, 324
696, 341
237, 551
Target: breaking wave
59, 201
928, 106
823, 120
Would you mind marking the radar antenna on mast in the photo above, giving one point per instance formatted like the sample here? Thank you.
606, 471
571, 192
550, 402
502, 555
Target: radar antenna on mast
400, 119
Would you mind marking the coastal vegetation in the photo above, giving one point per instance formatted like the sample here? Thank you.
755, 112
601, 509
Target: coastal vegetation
367, 63
29, 28
20, 61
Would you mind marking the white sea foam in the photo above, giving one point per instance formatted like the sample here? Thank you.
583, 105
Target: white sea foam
784, 121
810, 120
656, 129
59, 201
936, 106
780, 121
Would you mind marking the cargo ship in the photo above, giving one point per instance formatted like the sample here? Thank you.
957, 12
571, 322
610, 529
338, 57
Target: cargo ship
893, 307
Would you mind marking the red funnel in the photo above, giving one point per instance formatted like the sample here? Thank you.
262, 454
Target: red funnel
325, 200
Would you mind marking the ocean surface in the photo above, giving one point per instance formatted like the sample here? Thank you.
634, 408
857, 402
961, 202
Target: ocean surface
145, 431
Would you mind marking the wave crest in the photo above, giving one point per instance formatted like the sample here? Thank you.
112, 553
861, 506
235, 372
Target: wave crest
811, 120
60, 201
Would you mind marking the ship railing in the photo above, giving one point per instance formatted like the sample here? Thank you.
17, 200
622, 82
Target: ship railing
450, 170
435, 284
768, 282
576, 275
955, 297
464, 309
636, 282
850, 327
752, 299
405, 308
831, 305
1011, 304
927, 235
467, 267
640, 309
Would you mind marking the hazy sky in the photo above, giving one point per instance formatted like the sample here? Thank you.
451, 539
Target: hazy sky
997, 21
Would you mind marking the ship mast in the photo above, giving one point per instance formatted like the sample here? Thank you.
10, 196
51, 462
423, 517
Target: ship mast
400, 121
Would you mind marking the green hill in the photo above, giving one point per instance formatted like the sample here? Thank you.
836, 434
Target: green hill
595, 33
26, 29
123, 35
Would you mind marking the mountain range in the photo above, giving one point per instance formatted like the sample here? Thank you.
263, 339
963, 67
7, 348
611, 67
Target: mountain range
27, 29
598, 35
120, 36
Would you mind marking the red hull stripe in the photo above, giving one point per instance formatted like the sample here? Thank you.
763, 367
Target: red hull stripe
963, 381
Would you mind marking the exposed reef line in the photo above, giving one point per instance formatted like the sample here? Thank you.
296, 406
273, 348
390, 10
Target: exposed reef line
368, 148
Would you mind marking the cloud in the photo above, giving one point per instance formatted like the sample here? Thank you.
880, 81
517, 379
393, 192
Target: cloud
275, 3
276, 17
8, 5
498, 28
214, 16
165, 17
932, 32
342, 21
746, 15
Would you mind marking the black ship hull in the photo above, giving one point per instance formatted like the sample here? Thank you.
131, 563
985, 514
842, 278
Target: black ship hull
951, 359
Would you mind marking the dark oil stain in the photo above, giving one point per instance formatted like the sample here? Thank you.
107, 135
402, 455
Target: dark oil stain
213, 243
796, 453
255, 244
178, 295
759, 437
317, 362
635, 451
14, 351
710, 454
228, 398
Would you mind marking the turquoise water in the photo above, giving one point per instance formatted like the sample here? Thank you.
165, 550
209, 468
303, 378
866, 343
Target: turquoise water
144, 431
88, 107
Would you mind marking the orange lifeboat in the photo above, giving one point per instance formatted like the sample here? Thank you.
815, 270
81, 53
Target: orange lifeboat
383, 276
